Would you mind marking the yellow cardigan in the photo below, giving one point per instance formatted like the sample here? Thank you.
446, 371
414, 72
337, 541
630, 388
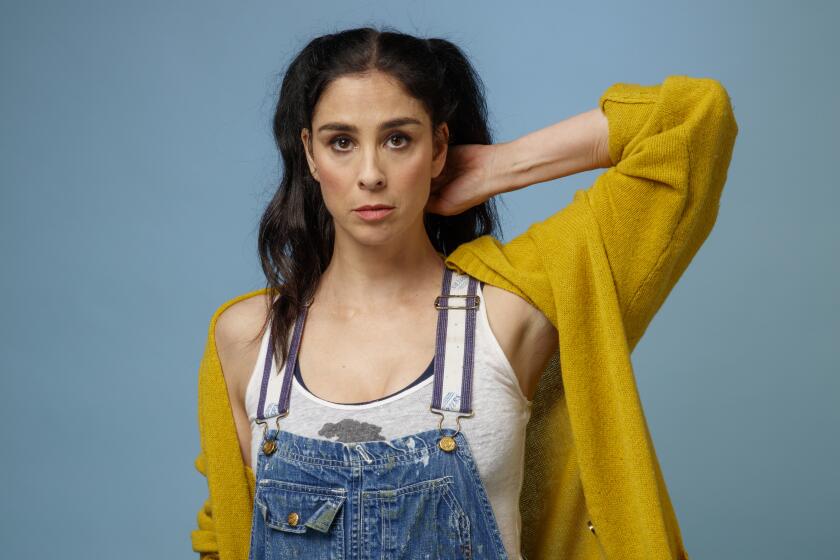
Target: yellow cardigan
599, 269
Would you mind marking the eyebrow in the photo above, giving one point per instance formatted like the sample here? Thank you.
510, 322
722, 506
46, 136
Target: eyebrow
393, 123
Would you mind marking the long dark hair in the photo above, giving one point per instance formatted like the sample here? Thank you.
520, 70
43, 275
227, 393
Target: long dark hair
296, 232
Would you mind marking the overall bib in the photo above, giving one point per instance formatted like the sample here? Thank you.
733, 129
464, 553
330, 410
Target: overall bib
418, 496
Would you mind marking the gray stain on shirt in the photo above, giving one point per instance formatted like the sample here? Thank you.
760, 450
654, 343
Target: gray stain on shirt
351, 431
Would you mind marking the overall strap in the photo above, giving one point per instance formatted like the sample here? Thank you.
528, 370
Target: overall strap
275, 390
455, 344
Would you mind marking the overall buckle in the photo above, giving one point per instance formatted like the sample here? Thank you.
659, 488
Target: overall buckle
447, 443
475, 298
269, 446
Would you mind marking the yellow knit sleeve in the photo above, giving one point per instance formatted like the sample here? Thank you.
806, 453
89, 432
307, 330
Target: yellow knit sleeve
672, 144
204, 537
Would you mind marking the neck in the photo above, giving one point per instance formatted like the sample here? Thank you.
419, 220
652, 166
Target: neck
361, 278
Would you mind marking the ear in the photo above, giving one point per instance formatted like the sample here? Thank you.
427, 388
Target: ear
441, 144
307, 145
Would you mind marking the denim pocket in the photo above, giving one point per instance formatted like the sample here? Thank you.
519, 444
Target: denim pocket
421, 520
302, 521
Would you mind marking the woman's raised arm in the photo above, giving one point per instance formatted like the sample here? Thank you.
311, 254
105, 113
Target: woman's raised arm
670, 145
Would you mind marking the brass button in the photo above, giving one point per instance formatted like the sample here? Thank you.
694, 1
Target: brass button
293, 519
447, 443
269, 447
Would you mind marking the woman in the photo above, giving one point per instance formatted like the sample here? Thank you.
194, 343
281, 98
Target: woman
378, 246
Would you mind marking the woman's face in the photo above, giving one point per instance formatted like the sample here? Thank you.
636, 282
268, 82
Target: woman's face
372, 144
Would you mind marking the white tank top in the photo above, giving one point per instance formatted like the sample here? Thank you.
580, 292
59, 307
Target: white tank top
496, 432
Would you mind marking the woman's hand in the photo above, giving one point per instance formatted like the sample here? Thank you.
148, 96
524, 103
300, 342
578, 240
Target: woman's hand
466, 179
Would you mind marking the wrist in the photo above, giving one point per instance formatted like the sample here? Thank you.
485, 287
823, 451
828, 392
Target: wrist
506, 171
601, 157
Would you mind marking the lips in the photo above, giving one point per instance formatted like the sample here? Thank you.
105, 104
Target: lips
374, 207
373, 212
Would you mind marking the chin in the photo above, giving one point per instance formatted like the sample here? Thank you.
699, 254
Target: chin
376, 236
377, 239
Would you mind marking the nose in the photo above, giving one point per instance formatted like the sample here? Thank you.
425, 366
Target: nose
371, 176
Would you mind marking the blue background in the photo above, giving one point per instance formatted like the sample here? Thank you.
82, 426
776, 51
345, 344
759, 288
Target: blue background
136, 158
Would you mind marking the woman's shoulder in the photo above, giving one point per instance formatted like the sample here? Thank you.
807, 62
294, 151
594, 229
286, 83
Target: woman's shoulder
236, 318
239, 304
237, 328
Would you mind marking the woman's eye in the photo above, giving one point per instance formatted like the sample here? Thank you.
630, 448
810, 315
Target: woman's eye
340, 139
402, 137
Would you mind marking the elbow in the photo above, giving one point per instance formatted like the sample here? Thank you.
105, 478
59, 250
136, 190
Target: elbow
721, 104
709, 104
710, 130
718, 114
724, 129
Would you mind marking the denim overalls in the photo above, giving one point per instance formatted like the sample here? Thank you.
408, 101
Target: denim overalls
418, 496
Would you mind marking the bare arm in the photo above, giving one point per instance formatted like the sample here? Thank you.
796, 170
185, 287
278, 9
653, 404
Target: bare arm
576, 144
238, 343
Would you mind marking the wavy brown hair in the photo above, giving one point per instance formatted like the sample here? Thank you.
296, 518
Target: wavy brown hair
296, 232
